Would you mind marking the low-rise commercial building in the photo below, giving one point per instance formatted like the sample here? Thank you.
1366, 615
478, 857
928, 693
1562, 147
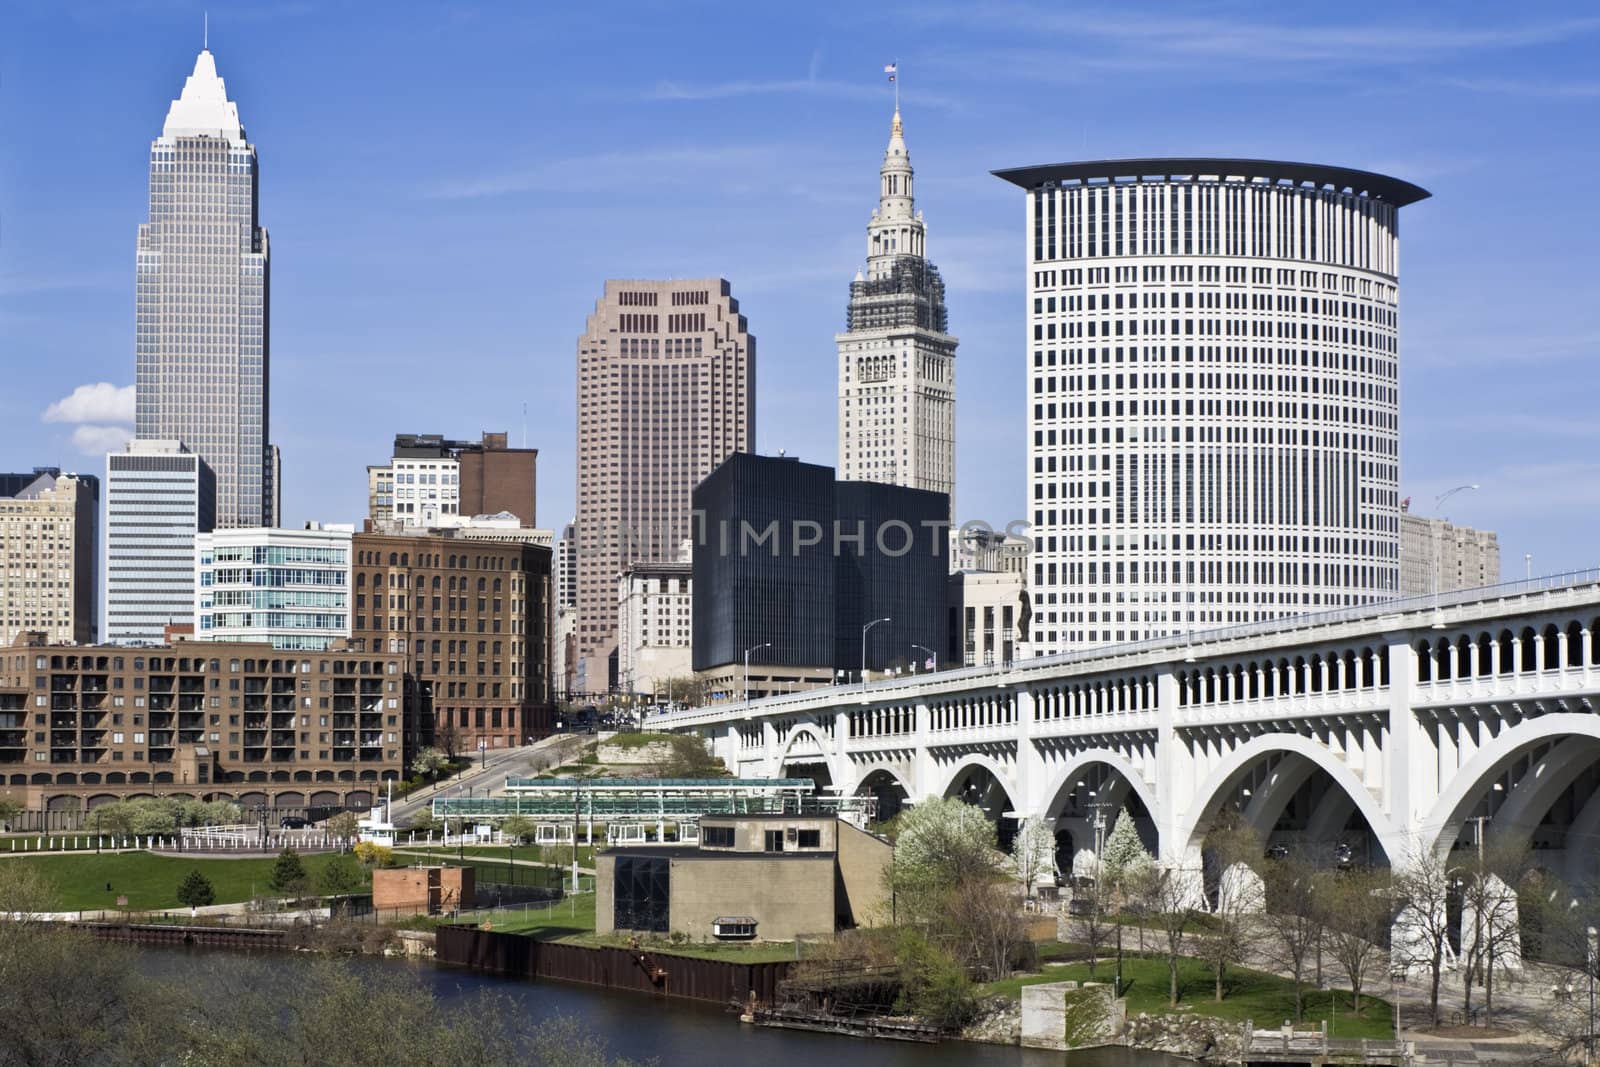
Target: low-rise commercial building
751, 877
83, 725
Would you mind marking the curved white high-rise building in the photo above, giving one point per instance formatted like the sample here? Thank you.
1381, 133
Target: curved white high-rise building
1213, 393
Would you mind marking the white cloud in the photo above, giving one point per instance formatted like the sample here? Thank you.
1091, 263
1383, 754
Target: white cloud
98, 440
101, 402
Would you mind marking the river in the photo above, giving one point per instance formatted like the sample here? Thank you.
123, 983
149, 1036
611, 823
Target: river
673, 1031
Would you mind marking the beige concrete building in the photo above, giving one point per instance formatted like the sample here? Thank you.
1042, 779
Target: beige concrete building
666, 392
751, 877
987, 610
1437, 555
49, 525
655, 602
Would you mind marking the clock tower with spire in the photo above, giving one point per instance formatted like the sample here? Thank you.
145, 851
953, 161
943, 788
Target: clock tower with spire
897, 370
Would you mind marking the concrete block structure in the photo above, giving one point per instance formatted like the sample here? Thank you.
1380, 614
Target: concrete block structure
771, 877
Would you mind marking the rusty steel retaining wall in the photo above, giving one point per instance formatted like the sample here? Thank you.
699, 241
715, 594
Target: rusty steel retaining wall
712, 981
209, 936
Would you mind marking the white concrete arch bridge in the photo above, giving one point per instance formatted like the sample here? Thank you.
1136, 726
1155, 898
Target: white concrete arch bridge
1387, 728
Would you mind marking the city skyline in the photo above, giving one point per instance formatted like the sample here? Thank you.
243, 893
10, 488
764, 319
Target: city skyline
1452, 96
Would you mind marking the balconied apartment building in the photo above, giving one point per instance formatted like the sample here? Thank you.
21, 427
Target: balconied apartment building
470, 619
84, 725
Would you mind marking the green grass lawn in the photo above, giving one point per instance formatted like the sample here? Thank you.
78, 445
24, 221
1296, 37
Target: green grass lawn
1264, 998
150, 881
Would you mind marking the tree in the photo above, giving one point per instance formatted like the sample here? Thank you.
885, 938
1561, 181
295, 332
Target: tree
518, 829
428, 762
1033, 854
196, 890
980, 922
344, 827
341, 876
448, 736
288, 877
10, 808
1490, 924
940, 843
1091, 901
1422, 929
1124, 851
1232, 850
1295, 906
424, 821
1169, 896
372, 854
691, 758
1356, 909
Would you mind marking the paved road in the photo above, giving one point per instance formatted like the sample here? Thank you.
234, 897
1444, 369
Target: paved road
503, 763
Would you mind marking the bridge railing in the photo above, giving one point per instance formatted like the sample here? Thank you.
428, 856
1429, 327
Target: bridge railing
889, 688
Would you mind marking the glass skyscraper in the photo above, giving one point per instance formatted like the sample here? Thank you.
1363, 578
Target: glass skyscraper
203, 302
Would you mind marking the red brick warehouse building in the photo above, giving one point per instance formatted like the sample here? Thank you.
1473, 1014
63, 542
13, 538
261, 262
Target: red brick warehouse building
471, 618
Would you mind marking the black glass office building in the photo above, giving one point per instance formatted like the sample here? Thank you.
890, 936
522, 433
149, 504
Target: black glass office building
791, 565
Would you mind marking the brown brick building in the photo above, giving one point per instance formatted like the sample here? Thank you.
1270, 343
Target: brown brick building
496, 478
470, 617
82, 725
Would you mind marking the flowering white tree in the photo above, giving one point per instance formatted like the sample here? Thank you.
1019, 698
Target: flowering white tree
940, 844
1033, 854
1124, 852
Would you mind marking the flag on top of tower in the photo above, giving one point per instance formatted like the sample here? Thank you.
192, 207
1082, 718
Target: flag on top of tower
890, 69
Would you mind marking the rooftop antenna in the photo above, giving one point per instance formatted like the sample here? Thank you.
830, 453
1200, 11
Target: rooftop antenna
205, 31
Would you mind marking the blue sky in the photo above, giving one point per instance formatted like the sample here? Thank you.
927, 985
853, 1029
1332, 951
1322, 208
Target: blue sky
448, 185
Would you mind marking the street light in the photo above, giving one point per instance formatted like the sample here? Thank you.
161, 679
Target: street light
931, 654
752, 648
864, 630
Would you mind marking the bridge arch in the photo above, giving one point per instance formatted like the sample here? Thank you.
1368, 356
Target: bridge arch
1073, 816
1309, 757
827, 758
887, 784
1576, 738
981, 780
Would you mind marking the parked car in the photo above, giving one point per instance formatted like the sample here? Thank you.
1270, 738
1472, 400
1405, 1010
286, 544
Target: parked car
1344, 856
293, 822
1277, 852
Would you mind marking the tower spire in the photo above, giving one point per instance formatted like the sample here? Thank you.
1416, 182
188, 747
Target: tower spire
896, 229
205, 39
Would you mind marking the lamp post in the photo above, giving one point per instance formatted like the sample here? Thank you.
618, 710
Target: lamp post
931, 654
752, 648
1438, 547
864, 630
